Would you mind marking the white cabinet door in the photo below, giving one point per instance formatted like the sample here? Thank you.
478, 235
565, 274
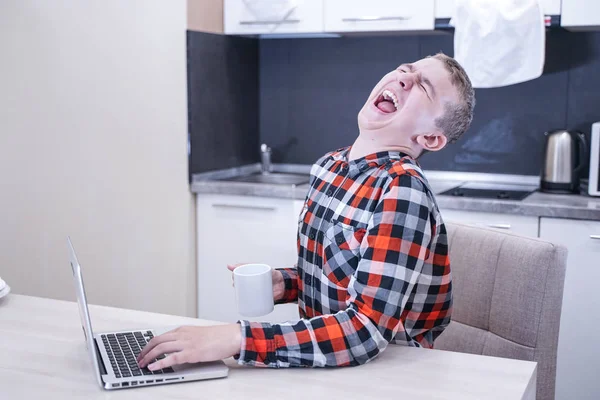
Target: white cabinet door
241, 229
241, 18
445, 8
580, 13
517, 224
378, 15
551, 7
578, 362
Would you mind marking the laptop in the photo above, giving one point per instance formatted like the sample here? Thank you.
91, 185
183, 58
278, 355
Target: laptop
114, 354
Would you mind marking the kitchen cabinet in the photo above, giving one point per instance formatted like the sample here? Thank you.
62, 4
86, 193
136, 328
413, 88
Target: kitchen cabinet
551, 7
578, 14
578, 359
517, 224
378, 15
241, 18
445, 8
241, 229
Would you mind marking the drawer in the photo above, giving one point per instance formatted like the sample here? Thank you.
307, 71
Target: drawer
378, 15
517, 224
241, 19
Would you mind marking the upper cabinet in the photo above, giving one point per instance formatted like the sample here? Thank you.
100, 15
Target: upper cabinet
326, 17
378, 15
337, 17
256, 18
443, 8
580, 14
551, 7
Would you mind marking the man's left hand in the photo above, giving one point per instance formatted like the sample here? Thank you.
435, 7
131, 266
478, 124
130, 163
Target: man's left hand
191, 344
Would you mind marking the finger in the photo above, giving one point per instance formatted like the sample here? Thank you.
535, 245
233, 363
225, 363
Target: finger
234, 266
172, 359
163, 348
165, 337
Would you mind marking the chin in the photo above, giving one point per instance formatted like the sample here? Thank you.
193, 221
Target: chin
363, 120
370, 120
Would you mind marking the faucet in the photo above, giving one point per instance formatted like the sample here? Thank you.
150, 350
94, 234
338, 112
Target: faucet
265, 157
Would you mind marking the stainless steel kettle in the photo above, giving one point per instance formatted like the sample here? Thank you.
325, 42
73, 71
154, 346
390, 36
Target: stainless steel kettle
565, 156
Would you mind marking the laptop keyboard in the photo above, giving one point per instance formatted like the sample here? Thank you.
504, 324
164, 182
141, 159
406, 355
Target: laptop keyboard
123, 349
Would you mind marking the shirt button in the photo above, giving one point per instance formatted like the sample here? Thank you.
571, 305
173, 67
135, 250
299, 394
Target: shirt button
339, 240
307, 279
311, 236
329, 192
345, 168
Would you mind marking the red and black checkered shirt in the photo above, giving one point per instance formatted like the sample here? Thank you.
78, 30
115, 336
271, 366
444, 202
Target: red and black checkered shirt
373, 267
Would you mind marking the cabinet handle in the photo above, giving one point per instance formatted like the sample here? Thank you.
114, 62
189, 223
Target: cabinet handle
271, 22
499, 226
597, 237
366, 19
245, 207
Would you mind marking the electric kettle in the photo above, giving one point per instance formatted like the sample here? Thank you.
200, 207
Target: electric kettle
565, 156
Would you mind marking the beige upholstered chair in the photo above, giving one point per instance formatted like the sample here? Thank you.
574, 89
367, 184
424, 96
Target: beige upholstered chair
507, 298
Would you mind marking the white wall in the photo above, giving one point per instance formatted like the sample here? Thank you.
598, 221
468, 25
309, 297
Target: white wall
93, 144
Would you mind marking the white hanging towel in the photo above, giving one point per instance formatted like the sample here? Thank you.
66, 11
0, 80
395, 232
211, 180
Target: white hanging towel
499, 42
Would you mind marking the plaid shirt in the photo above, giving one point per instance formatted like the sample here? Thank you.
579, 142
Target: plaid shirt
373, 267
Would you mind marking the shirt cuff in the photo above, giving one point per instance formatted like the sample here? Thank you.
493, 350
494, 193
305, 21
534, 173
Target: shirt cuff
290, 282
259, 345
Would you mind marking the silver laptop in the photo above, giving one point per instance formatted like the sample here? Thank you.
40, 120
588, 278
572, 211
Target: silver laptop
114, 354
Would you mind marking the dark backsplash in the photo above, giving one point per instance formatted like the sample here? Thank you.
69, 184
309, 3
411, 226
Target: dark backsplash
222, 101
310, 91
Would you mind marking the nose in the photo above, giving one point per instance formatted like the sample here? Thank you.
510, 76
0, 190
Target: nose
407, 80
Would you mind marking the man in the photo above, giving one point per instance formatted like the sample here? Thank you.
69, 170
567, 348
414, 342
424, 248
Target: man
373, 264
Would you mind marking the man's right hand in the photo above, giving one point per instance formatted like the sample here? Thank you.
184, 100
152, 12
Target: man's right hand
278, 285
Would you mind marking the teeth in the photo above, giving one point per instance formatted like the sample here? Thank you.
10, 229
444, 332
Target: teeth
388, 95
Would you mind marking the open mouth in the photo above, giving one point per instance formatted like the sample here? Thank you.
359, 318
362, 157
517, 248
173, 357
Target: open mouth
387, 102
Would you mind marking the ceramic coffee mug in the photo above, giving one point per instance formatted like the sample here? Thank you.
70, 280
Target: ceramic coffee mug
254, 289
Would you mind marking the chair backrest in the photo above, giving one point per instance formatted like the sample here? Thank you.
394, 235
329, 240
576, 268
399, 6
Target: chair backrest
507, 292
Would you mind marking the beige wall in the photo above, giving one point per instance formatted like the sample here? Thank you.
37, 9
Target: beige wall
205, 15
93, 144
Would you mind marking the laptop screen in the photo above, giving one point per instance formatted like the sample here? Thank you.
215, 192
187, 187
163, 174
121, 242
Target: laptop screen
84, 314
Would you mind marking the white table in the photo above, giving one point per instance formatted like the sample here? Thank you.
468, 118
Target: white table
42, 356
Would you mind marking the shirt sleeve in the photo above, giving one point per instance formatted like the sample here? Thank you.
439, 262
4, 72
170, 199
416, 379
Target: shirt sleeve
393, 253
290, 283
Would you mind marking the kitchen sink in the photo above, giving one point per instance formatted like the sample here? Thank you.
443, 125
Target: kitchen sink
274, 178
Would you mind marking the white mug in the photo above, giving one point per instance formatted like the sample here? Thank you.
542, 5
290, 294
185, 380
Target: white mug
254, 289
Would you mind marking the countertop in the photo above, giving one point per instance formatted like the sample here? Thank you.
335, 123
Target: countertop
538, 204
44, 356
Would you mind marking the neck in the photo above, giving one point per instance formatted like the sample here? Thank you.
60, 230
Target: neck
368, 144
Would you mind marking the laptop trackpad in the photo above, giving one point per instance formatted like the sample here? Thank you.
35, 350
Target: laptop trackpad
208, 369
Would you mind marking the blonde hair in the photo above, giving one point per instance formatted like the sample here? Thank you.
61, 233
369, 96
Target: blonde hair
458, 116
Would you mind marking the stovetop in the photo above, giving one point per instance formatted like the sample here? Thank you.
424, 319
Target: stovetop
486, 190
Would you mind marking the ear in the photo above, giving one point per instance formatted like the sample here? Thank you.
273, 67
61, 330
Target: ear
434, 141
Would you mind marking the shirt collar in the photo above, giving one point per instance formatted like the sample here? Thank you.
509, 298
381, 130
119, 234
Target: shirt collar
369, 161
